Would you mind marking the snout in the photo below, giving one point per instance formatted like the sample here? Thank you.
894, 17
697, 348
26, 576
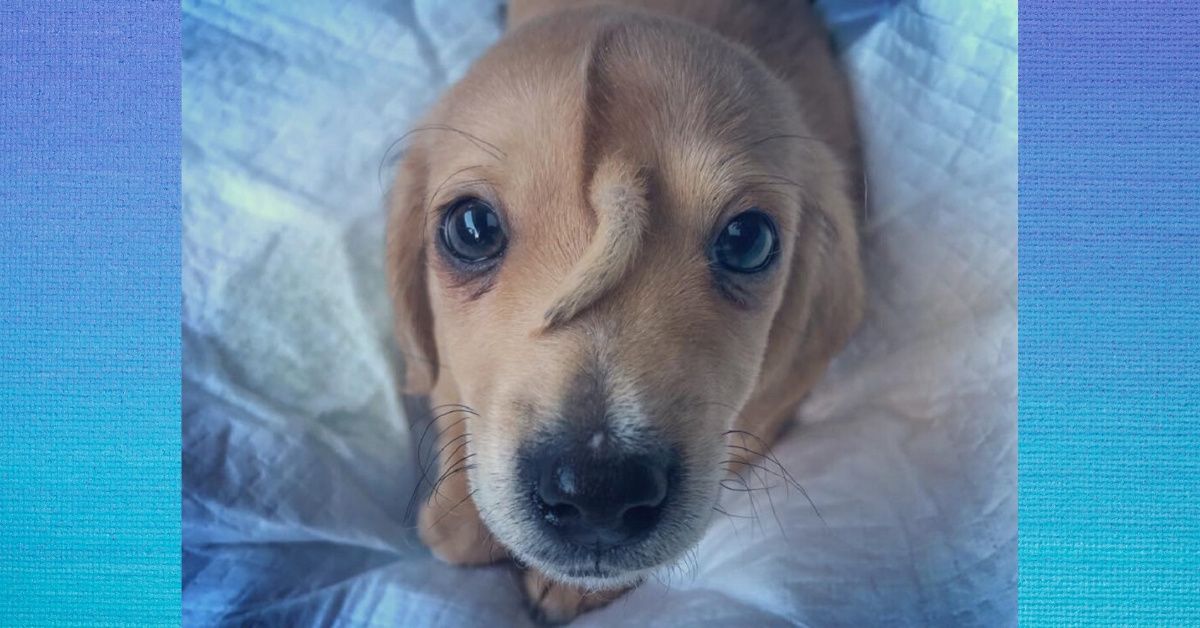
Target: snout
594, 493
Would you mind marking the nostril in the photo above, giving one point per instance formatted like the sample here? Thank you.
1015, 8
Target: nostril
561, 513
639, 519
556, 511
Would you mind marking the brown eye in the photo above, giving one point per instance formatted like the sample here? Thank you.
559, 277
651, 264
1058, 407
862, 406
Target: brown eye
747, 244
471, 231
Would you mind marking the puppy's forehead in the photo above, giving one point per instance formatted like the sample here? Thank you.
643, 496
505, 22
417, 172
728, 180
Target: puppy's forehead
555, 99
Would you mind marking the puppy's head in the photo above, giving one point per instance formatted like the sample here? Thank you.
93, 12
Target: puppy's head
611, 239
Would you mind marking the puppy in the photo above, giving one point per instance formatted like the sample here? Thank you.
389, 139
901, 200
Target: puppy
626, 234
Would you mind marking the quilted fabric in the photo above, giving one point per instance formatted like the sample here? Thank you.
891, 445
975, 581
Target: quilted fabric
298, 458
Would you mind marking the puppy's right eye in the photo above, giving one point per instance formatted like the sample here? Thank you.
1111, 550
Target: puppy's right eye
472, 232
747, 244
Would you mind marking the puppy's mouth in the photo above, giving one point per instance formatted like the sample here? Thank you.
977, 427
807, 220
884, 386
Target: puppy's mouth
597, 566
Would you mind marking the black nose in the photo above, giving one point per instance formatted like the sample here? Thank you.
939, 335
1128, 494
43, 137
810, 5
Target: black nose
600, 499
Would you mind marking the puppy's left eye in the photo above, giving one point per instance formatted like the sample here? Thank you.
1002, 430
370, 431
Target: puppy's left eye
471, 231
747, 244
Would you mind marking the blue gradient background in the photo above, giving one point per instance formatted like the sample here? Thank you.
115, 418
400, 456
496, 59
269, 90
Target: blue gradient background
89, 313
1109, 328
1109, 313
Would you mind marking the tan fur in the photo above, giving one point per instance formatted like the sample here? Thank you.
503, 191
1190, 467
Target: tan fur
614, 142
620, 198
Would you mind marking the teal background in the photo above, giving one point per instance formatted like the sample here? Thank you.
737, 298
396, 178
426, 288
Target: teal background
1109, 246
89, 313
1109, 327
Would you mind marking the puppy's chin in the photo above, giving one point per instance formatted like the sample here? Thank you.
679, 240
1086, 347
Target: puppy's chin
589, 577
599, 570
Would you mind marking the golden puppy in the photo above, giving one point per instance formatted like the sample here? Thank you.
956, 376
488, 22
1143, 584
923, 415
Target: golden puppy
626, 232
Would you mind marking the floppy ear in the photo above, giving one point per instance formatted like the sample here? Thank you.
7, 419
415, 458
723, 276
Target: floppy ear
827, 285
822, 304
406, 270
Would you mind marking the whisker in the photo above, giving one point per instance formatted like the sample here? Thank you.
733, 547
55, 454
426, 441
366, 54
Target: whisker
729, 514
426, 467
753, 506
433, 497
451, 405
742, 461
494, 151
454, 468
770, 500
437, 191
694, 571
452, 508
437, 454
491, 149
425, 432
432, 463
460, 445
744, 489
770, 456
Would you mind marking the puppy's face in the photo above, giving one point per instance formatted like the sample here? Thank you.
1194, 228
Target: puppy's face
592, 237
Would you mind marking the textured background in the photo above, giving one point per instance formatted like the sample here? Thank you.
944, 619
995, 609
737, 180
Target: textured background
89, 313
89, 306
1110, 313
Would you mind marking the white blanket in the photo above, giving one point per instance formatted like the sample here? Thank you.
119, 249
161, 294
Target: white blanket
298, 461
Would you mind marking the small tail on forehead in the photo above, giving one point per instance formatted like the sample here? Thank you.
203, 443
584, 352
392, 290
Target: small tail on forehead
618, 196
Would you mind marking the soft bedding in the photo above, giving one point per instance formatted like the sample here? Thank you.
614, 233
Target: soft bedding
298, 459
